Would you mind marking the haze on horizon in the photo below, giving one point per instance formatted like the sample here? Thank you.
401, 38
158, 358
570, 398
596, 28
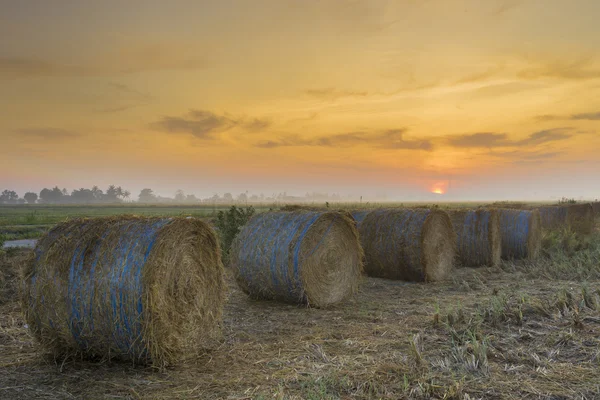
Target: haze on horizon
475, 100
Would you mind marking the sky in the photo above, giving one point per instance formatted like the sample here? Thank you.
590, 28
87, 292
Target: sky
470, 99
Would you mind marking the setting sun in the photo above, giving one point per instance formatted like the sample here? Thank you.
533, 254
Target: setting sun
438, 191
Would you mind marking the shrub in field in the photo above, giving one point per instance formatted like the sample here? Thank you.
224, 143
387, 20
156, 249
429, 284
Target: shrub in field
230, 223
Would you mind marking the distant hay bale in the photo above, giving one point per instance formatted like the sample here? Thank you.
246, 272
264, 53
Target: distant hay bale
148, 290
300, 257
478, 236
578, 218
553, 217
596, 208
408, 244
521, 234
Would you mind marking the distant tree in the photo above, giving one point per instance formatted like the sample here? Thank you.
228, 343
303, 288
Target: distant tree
180, 196
126, 194
243, 198
98, 194
30, 197
111, 195
9, 197
51, 196
228, 198
191, 198
82, 196
147, 196
65, 192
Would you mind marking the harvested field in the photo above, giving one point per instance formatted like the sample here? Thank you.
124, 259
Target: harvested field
524, 330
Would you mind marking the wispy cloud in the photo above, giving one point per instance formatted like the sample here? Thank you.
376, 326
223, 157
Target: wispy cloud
589, 116
334, 93
582, 69
204, 124
507, 6
495, 140
47, 133
127, 60
386, 139
126, 89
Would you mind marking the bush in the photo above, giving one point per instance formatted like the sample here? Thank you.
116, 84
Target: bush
230, 223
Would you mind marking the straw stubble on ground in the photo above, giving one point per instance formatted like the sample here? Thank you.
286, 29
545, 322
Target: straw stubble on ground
495, 334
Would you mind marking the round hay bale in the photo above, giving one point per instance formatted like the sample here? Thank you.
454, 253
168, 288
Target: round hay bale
579, 218
478, 240
521, 234
408, 244
148, 290
300, 257
553, 217
596, 208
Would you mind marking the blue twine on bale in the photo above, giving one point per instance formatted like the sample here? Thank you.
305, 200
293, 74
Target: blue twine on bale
474, 232
282, 229
553, 217
123, 273
396, 235
515, 235
359, 216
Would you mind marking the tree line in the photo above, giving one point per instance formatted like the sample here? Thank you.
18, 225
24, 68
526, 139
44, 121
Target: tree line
116, 194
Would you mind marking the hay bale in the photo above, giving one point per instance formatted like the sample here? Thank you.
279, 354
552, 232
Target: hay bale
553, 217
408, 244
596, 208
521, 233
300, 257
478, 240
149, 290
578, 218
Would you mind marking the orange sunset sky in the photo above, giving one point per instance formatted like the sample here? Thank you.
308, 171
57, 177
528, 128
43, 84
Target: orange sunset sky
494, 99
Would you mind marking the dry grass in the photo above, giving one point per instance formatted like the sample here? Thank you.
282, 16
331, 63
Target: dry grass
511, 332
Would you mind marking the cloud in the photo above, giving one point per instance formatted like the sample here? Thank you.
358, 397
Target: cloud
204, 124
545, 136
506, 6
121, 61
47, 133
482, 139
126, 89
494, 140
582, 69
332, 94
117, 108
591, 116
594, 116
387, 139
257, 124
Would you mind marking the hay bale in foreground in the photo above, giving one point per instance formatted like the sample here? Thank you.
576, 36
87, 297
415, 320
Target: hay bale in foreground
478, 240
578, 218
299, 257
521, 234
149, 290
408, 244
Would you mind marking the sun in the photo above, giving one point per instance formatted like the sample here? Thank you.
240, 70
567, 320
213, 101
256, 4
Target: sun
438, 191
